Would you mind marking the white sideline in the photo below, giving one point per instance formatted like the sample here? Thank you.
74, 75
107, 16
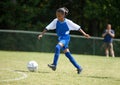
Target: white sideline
14, 79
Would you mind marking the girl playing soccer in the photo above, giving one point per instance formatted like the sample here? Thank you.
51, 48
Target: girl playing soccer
63, 26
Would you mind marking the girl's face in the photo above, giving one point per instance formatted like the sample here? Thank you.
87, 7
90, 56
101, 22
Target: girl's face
60, 16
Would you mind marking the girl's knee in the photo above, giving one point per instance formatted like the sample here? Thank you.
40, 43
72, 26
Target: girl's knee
61, 44
66, 50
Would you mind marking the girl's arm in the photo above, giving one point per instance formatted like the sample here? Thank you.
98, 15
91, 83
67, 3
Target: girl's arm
51, 26
74, 26
86, 35
41, 35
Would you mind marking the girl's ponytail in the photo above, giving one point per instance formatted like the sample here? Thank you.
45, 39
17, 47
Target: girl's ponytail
66, 11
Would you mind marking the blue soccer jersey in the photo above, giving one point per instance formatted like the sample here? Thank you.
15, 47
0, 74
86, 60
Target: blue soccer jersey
109, 38
63, 30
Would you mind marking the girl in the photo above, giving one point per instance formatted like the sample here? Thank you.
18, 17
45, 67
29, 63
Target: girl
63, 26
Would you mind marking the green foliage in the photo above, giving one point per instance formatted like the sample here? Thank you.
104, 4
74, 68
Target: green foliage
25, 15
36, 14
107, 11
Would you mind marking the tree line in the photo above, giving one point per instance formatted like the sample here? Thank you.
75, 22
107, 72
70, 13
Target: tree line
91, 15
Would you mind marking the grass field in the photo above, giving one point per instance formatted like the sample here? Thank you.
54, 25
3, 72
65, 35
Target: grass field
97, 70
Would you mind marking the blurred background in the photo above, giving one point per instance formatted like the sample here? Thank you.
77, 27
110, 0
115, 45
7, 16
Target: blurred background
34, 15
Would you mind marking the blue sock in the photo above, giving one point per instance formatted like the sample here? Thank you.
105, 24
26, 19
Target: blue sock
72, 60
57, 53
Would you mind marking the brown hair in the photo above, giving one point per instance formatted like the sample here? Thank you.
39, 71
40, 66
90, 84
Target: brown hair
63, 10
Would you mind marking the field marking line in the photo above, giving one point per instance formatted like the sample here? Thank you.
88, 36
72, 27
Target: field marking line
24, 75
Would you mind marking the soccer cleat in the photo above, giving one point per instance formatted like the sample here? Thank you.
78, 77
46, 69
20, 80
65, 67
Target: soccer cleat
79, 71
53, 67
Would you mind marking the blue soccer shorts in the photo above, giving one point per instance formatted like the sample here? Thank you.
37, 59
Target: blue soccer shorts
65, 43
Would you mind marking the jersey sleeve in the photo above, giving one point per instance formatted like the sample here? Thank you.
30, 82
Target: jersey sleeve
72, 25
52, 25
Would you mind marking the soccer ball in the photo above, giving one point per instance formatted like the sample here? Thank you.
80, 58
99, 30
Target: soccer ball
32, 66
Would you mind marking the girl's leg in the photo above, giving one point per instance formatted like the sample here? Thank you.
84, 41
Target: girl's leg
72, 60
57, 53
56, 56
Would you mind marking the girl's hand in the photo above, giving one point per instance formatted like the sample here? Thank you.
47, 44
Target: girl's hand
87, 35
40, 36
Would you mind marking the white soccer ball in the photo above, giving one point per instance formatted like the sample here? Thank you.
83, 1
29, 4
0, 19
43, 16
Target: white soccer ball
32, 66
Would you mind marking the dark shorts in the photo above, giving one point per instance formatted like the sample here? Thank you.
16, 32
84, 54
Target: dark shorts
108, 45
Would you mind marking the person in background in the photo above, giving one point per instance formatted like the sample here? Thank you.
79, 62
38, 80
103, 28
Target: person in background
108, 36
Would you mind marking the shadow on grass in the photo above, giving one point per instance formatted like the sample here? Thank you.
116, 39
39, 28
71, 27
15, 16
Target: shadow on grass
32, 72
102, 77
21, 71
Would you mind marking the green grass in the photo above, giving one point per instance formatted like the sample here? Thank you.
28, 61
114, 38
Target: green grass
97, 70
